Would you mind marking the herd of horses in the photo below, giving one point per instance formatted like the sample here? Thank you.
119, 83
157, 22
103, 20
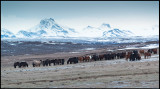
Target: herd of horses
134, 55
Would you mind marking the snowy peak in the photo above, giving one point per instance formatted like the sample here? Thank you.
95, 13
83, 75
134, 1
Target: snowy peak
46, 23
47, 28
117, 33
105, 30
6, 34
106, 25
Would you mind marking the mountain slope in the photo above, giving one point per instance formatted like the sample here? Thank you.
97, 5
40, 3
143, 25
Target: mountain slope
117, 33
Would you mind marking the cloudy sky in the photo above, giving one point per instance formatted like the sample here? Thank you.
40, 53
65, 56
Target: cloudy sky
127, 15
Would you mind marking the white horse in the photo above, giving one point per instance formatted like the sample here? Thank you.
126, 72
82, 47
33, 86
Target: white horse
36, 63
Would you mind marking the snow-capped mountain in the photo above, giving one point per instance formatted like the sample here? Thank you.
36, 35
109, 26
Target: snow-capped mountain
117, 33
47, 28
90, 31
6, 34
105, 30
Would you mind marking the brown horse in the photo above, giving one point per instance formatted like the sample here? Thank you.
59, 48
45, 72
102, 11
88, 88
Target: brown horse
80, 59
128, 55
86, 58
147, 55
101, 57
141, 52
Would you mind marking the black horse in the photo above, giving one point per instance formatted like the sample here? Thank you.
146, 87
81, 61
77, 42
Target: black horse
95, 57
107, 56
16, 64
135, 56
62, 61
46, 62
57, 61
23, 64
149, 51
72, 60
53, 61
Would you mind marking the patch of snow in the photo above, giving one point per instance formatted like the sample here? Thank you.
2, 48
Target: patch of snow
131, 48
73, 52
89, 48
150, 46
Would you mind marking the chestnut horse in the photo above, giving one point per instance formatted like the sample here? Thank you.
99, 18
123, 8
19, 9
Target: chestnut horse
147, 55
128, 55
86, 58
101, 57
141, 52
80, 59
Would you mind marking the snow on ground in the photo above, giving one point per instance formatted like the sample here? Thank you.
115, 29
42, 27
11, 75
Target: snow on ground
73, 52
151, 46
145, 47
131, 48
153, 58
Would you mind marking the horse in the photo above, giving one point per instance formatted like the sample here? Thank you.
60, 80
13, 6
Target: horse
147, 55
80, 59
53, 61
149, 51
101, 57
128, 55
141, 52
95, 57
57, 62
36, 63
154, 51
113, 55
86, 58
23, 64
46, 62
118, 55
135, 56
107, 56
72, 60
62, 60
122, 55
16, 64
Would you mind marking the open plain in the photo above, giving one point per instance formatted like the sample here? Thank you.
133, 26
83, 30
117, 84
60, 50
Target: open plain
117, 73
